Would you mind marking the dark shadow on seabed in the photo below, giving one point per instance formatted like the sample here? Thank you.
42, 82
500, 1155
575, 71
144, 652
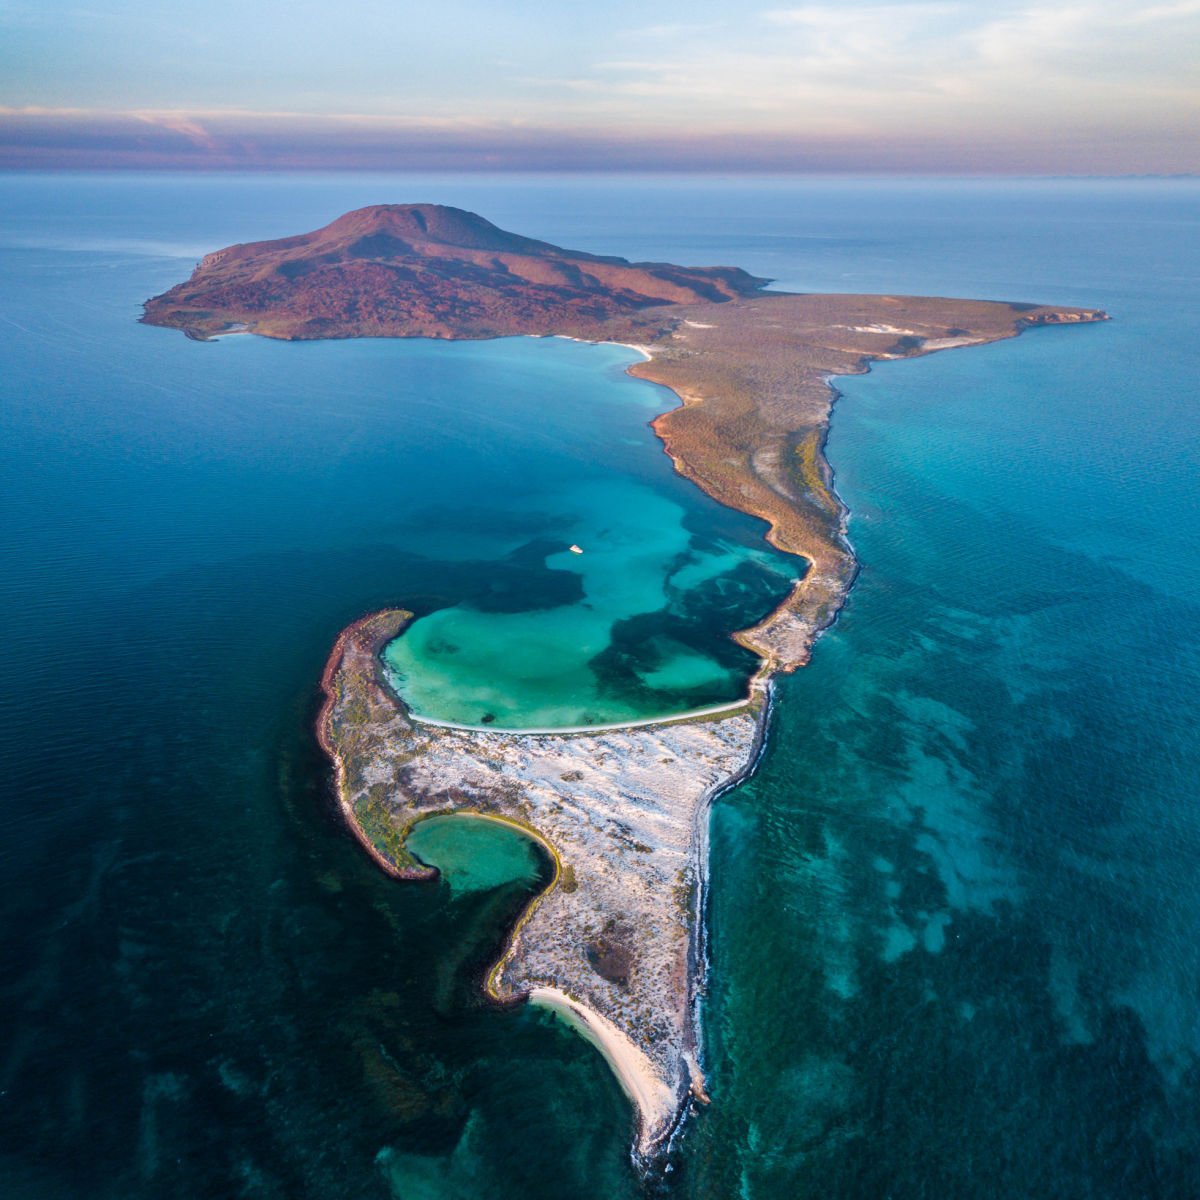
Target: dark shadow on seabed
169, 914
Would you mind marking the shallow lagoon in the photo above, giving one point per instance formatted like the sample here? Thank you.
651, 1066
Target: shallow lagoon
642, 639
635, 622
475, 854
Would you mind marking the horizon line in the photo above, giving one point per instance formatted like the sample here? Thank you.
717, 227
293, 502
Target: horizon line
763, 171
68, 140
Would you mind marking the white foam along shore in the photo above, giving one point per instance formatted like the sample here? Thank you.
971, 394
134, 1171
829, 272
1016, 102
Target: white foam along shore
653, 1101
641, 723
644, 351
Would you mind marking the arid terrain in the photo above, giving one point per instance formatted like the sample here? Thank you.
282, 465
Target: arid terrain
423, 270
624, 815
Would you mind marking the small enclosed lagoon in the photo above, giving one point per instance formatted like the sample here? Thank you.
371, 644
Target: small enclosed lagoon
476, 854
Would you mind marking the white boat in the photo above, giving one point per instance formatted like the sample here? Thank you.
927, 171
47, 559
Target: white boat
576, 549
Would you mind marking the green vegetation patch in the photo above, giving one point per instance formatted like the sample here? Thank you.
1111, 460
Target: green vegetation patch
378, 825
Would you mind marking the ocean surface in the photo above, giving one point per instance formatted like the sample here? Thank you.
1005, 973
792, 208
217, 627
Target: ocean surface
955, 917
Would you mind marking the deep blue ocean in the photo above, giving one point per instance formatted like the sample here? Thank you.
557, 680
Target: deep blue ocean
955, 917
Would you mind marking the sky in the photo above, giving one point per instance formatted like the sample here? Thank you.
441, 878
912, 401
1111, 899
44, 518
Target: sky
1012, 86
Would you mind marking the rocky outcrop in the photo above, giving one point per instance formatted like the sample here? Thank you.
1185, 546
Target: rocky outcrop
1064, 316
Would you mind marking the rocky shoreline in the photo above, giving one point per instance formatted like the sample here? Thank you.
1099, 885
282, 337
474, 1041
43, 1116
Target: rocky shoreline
364, 631
614, 937
615, 943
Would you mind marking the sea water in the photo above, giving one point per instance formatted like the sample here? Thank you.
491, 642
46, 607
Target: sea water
475, 854
953, 918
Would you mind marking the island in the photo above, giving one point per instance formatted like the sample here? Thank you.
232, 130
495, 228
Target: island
615, 942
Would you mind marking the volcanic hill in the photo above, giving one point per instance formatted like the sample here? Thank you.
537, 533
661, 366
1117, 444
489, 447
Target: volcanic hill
425, 270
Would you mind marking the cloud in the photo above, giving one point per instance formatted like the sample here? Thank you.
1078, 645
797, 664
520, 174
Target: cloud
71, 138
942, 64
1091, 36
1060, 80
185, 126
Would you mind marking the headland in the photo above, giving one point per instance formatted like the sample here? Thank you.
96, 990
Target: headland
613, 943
425, 270
610, 942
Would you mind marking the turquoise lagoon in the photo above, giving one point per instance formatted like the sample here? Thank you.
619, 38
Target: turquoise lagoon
474, 854
954, 917
491, 461
631, 647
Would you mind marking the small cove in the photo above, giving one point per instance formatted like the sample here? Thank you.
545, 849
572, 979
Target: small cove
475, 854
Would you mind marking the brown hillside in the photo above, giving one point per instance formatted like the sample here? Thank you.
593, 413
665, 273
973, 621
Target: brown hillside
425, 270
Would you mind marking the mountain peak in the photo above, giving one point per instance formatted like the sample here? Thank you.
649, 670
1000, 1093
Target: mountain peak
426, 270
436, 224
